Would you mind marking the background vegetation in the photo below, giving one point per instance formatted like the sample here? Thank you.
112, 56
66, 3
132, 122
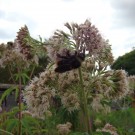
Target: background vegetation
126, 62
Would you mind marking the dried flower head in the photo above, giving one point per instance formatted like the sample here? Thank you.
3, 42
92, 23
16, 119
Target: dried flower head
24, 46
19, 52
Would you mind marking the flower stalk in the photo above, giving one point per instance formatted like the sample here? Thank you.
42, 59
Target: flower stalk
19, 102
11, 74
83, 103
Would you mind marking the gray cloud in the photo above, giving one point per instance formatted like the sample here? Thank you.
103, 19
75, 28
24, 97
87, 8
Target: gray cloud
124, 13
2, 14
5, 34
13, 22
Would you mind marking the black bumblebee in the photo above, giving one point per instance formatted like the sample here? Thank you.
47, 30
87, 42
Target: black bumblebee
69, 61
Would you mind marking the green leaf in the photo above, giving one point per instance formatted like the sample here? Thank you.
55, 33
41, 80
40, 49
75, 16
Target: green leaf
24, 77
7, 93
5, 132
32, 123
12, 124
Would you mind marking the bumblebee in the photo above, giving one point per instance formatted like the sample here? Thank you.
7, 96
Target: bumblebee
69, 61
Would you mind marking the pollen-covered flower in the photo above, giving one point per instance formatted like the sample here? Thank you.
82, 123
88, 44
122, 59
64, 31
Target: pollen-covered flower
82, 38
112, 84
38, 96
121, 86
131, 80
70, 101
131, 83
68, 79
89, 64
97, 122
87, 35
108, 128
97, 83
105, 55
98, 106
96, 103
10, 56
64, 129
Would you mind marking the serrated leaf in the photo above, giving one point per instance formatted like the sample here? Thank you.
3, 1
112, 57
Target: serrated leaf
5, 132
11, 124
6, 93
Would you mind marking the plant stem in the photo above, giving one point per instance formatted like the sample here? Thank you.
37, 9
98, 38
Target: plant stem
83, 101
11, 74
32, 72
19, 102
6, 132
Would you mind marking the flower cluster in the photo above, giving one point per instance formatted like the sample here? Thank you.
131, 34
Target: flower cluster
97, 122
37, 97
38, 93
87, 37
98, 106
108, 128
131, 80
120, 88
12, 56
64, 129
24, 46
18, 52
105, 55
111, 85
70, 101
98, 83
83, 38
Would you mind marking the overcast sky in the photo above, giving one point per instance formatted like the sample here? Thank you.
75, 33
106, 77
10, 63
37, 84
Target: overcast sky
114, 18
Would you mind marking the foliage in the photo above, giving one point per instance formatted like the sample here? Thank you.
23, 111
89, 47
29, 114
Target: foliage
123, 120
20, 58
125, 62
9, 122
6, 78
91, 87
62, 103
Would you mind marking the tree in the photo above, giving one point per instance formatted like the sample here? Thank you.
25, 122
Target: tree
126, 62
